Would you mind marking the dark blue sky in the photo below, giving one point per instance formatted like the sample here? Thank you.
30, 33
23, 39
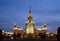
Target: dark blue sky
12, 11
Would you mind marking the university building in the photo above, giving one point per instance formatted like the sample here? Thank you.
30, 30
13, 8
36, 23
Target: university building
29, 30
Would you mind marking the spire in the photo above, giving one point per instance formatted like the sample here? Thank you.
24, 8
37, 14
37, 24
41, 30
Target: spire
30, 13
29, 9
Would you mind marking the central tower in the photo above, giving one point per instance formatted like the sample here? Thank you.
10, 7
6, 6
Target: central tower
30, 23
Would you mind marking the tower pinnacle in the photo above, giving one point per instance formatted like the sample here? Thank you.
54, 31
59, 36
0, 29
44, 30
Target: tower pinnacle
29, 9
30, 13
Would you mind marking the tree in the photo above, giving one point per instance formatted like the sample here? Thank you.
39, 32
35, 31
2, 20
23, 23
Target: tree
42, 35
1, 36
14, 36
58, 34
18, 35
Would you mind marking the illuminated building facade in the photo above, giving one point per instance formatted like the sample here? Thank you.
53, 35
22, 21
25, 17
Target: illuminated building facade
29, 30
30, 24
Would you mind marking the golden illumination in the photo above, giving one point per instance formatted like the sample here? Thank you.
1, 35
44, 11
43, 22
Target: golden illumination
30, 15
30, 24
15, 28
29, 29
43, 28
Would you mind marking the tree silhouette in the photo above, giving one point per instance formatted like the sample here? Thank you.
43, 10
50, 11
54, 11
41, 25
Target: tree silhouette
14, 36
58, 34
42, 35
18, 35
1, 36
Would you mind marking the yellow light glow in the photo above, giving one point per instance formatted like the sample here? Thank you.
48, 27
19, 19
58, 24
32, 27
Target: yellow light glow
29, 29
44, 28
15, 28
29, 15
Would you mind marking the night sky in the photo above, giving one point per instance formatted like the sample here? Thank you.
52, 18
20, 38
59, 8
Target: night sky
16, 11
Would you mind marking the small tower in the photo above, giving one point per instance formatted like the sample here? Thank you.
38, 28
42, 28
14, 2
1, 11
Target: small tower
44, 26
15, 29
15, 26
44, 29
